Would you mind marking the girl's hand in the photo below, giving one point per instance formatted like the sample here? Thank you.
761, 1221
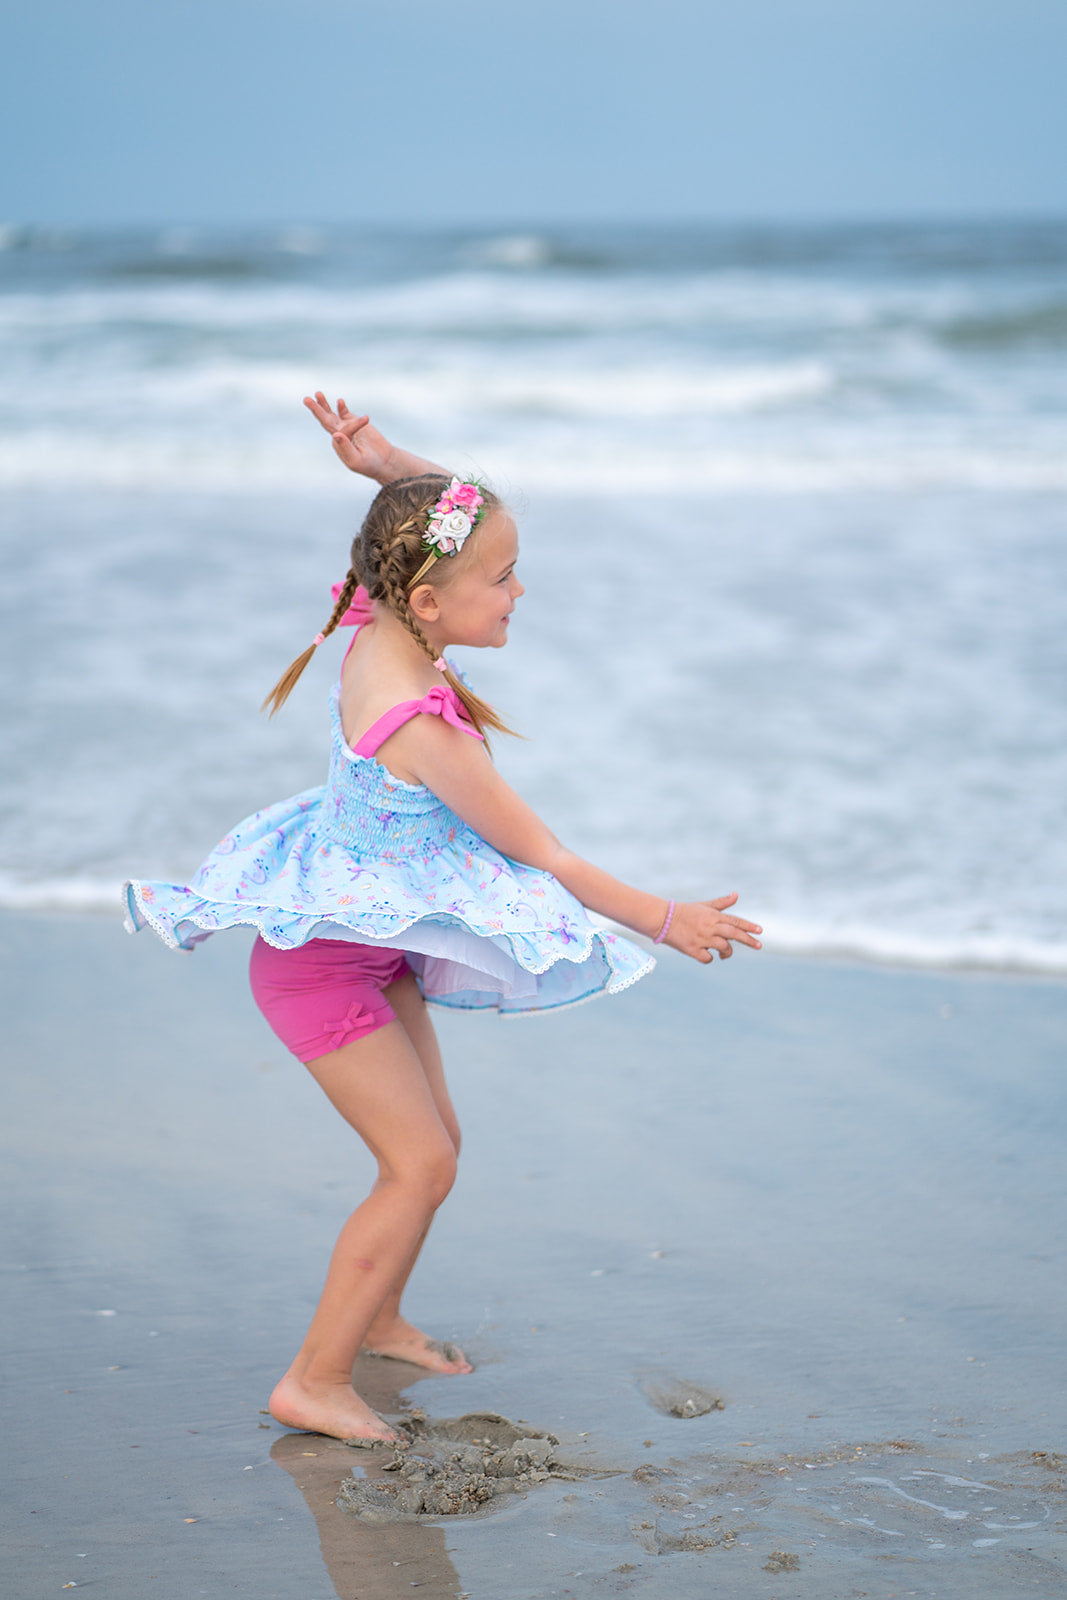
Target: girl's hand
359, 445
700, 927
357, 442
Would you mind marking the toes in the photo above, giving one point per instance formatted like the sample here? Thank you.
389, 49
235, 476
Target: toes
431, 1354
450, 1356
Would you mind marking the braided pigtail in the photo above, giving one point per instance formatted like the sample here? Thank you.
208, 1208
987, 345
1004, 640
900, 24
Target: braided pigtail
288, 680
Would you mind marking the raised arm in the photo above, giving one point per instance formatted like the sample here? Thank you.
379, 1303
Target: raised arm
360, 446
458, 770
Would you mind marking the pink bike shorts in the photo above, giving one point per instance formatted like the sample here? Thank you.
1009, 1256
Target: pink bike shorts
325, 993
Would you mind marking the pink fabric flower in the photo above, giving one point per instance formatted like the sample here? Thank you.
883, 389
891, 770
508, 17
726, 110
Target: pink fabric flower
464, 494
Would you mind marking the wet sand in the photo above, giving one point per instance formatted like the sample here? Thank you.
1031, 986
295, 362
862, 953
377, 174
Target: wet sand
775, 1252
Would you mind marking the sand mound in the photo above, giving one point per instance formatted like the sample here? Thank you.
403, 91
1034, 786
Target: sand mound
454, 1468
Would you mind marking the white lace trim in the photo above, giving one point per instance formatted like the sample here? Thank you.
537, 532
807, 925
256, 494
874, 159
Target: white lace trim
615, 984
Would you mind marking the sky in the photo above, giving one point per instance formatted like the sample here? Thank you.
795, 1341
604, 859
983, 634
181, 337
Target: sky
216, 111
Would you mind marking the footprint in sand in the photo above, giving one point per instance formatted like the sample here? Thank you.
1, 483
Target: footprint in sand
676, 1397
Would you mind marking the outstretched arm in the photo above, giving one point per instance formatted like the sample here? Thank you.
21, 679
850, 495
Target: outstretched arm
458, 770
362, 448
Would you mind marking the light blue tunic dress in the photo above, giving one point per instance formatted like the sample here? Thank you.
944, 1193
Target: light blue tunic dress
370, 858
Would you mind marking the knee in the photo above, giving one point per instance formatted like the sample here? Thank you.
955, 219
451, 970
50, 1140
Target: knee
429, 1173
441, 1175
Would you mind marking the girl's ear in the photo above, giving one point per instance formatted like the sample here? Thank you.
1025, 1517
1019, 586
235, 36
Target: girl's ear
424, 604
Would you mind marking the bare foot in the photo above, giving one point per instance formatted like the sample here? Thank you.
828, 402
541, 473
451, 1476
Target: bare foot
401, 1341
333, 1409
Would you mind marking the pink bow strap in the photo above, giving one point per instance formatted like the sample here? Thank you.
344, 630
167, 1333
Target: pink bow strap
441, 701
360, 611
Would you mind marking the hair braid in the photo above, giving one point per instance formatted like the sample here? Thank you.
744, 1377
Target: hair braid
287, 682
396, 596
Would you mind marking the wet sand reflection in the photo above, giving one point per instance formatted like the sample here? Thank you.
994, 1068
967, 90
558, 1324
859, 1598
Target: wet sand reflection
367, 1562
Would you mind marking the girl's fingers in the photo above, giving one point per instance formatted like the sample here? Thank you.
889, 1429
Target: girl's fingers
720, 931
724, 940
320, 410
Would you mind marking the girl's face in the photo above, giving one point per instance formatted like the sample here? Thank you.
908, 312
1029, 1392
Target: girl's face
474, 605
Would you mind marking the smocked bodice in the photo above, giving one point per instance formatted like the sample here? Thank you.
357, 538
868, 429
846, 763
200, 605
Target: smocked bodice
374, 814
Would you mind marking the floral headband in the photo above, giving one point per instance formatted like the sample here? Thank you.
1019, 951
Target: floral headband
450, 523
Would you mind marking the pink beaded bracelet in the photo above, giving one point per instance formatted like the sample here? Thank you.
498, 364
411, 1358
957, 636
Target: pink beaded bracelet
668, 919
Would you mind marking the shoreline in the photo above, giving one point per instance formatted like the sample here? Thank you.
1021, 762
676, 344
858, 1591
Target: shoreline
827, 1196
1047, 963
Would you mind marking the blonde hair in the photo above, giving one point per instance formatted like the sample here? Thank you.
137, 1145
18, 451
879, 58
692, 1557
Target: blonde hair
387, 552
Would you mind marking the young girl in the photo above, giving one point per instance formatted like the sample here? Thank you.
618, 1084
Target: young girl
415, 873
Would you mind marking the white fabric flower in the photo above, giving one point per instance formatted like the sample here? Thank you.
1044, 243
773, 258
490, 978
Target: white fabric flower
457, 524
448, 531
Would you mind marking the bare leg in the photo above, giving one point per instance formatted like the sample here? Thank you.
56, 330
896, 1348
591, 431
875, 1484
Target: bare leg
380, 1087
390, 1334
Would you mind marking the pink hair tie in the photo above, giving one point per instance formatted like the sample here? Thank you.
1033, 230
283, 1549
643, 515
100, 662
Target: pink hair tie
668, 919
441, 664
320, 638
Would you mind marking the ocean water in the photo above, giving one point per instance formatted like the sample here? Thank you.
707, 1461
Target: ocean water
794, 534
